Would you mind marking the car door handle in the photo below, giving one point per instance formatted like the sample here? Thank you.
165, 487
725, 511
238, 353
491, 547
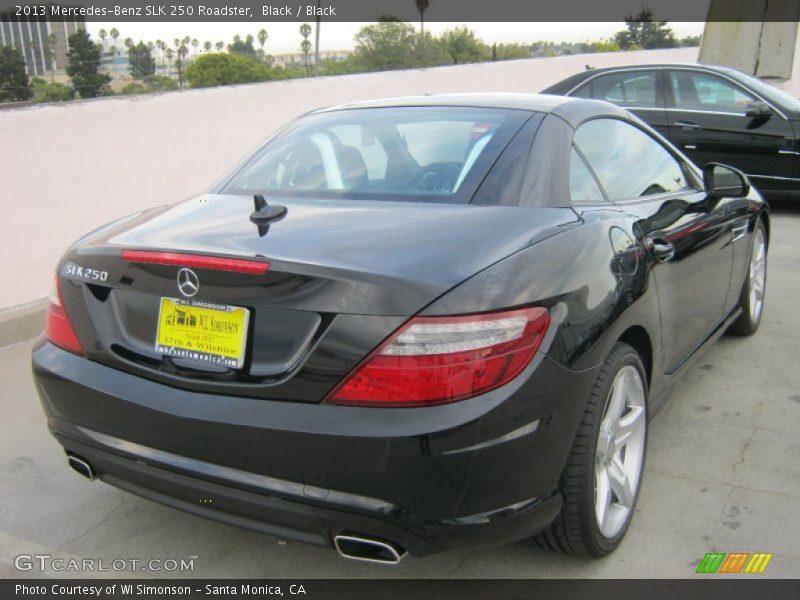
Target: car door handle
662, 249
687, 125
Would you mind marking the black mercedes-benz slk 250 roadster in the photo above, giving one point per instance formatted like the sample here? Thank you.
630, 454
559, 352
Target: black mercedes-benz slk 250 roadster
407, 325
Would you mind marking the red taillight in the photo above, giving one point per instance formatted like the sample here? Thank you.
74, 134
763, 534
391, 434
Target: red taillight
58, 327
435, 360
198, 261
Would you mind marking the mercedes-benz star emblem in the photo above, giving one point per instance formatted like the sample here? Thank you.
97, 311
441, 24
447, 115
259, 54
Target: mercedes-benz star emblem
188, 283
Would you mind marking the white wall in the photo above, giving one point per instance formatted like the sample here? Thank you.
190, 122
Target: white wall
793, 85
66, 169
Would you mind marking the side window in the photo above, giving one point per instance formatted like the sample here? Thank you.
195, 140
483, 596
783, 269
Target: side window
628, 162
585, 91
582, 184
633, 89
698, 91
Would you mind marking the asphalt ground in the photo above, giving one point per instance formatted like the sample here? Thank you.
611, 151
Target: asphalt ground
722, 474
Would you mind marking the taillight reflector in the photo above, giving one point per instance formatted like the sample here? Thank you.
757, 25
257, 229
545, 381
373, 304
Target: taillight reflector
436, 360
197, 261
58, 327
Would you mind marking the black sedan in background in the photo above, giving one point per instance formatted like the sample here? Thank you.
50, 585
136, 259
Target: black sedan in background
711, 113
413, 325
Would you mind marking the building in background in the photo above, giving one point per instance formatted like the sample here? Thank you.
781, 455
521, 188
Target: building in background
298, 59
33, 39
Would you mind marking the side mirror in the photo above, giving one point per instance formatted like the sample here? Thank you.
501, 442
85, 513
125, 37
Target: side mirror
758, 110
721, 180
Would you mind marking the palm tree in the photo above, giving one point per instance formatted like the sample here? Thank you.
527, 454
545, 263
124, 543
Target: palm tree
195, 44
103, 34
169, 53
219, 46
128, 45
34, 47
305, 45
161, 47
316, 41
51, 55
262, 37
177, 43
207, 46
422, 6
114, 33
182, 52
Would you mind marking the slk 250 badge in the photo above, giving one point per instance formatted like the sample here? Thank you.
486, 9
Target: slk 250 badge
72, 269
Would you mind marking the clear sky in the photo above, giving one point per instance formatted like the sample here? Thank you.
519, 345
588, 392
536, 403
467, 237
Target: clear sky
285, 37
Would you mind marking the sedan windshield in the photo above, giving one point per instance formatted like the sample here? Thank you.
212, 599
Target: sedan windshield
438, 154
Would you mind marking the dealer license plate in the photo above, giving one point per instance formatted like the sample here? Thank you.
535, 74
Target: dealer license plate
214, 333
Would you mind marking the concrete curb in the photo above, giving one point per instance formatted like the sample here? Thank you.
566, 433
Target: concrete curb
21, 323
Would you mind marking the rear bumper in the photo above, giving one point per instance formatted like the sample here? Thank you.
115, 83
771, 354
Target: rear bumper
476, 473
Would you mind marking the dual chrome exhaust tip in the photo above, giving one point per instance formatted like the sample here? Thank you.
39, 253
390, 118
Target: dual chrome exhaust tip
368, 550
81, 467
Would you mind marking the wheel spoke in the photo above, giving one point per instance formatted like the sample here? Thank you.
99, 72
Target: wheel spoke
616, 403
758, 270
602, 495
620, 483
627, 426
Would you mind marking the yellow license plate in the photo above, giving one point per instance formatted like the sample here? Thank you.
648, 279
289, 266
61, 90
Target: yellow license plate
203, 331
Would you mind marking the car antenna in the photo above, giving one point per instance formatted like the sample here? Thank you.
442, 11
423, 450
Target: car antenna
266, 214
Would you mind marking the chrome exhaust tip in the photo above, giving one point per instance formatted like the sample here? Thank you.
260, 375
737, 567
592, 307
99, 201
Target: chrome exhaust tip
368, 550
81, 467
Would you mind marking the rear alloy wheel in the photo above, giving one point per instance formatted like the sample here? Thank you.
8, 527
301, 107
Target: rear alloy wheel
752, 297
600, 483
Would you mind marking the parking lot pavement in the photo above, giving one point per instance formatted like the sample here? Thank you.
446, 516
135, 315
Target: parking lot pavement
722, 474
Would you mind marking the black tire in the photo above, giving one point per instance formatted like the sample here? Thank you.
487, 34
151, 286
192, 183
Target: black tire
747, 323
576, 531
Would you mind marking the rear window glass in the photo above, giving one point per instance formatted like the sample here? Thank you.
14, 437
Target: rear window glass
400, 153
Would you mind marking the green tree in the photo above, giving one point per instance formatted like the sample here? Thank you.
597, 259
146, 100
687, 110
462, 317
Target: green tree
606, 46
134, 87
114, 33
103, 35
331, 66
160, 83
645, 32
225, 69
83, 65
44, 91
690, 40
141, 61
207, 46
182, 51
195, 44
50, 55
219, 46
169, 53
392, 44
305, 45
263, 36
243, 47
463, 45
512, 51
161, 48
14, 84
